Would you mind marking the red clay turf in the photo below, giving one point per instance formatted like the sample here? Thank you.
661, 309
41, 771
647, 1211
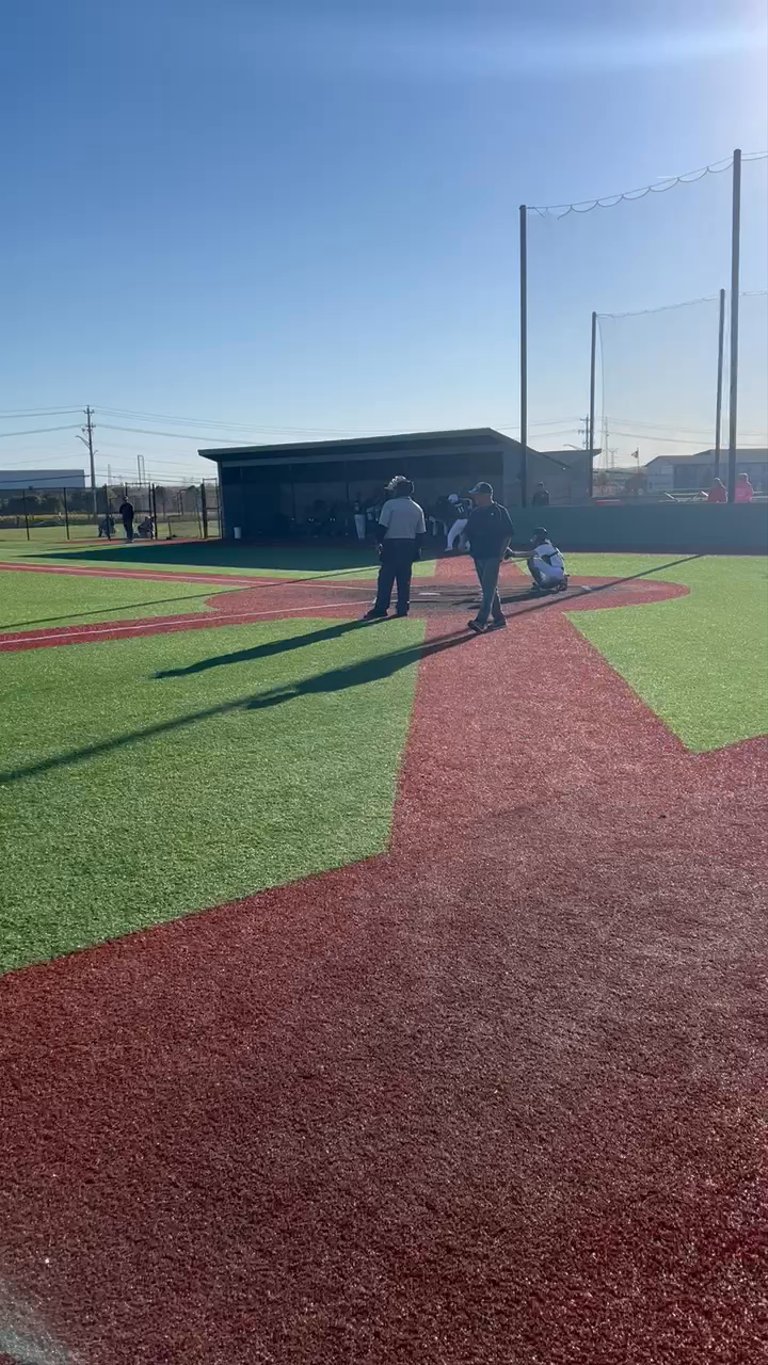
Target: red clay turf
494, 1098
265, 599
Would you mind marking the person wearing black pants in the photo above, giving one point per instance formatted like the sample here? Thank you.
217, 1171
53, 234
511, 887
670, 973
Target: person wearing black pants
489, 531
400, 532
126, 512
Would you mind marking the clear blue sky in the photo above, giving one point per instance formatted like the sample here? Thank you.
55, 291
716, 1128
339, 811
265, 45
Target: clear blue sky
303, 213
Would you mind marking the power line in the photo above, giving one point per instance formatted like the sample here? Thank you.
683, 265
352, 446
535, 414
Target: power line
38, 412
259, 427
667, 440
234, 426
35, 431
690, 431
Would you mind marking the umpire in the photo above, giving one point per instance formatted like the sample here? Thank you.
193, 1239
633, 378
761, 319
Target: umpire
400, 532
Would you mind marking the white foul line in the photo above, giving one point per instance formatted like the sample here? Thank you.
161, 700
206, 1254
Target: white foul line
146, 625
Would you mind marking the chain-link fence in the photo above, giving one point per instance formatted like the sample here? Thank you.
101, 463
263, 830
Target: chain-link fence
111, 511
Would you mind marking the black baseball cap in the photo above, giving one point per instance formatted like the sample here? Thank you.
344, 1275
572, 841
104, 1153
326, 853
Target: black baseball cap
481, 488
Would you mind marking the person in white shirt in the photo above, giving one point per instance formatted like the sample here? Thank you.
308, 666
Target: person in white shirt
461, 511
546, 564
359, 515
400, 532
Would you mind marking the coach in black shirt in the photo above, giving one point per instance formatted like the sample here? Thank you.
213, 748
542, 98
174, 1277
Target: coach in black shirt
489, 531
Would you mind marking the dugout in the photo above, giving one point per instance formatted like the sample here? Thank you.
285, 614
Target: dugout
278, 490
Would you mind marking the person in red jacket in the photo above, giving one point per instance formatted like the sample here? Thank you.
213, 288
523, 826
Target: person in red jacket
718, 492
744, 490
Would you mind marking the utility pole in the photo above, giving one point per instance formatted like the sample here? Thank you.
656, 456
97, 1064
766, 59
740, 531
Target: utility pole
87, 440
609, 454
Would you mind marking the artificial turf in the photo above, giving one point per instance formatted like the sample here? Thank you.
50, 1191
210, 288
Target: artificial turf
148, 777
304, 559
494, 1098
28, 600
699, 661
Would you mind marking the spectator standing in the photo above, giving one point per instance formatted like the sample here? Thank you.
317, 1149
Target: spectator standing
744, 490
540, 496
125, 510
489, 531
718, 492
400, 531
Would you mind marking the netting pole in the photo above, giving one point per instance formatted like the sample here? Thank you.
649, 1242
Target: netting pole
524, 354
26, 511
734, 374
204, 508
592, 375
719, 398
66, 512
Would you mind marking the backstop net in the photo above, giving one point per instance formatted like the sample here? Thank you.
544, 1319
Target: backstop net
650, 263
658, 378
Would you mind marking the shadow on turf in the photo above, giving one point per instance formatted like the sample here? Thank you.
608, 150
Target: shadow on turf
266, 650
536, 603
335, 680
326, 558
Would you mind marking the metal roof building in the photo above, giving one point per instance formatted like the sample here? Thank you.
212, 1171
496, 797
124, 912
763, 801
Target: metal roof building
272, 490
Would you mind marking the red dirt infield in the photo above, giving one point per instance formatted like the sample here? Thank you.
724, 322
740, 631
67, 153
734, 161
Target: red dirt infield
452, 594
494, 1098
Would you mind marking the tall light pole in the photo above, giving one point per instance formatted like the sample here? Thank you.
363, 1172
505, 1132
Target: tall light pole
734, 367
524, 354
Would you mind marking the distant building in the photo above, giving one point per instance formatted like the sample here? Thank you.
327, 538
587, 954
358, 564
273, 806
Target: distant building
272, 490
683, 473
23, 480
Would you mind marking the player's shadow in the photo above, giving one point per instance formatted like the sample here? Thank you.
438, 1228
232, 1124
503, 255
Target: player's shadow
355, 674
266, 650
334, 680
110, 611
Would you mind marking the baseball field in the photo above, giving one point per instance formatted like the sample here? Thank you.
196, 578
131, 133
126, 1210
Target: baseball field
371, 993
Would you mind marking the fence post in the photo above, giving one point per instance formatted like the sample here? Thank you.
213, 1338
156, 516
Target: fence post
66, 513
107, 514
204, 508
26, 513
153, 508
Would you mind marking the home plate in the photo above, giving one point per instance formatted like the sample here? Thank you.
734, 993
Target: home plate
428, 594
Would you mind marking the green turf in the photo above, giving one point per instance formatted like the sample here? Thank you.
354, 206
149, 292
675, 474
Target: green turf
305, 559
701, 661
128, 799
31, 600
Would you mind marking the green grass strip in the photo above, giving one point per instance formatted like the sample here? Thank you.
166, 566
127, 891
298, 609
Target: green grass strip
264, 753
30, 600
701, 661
